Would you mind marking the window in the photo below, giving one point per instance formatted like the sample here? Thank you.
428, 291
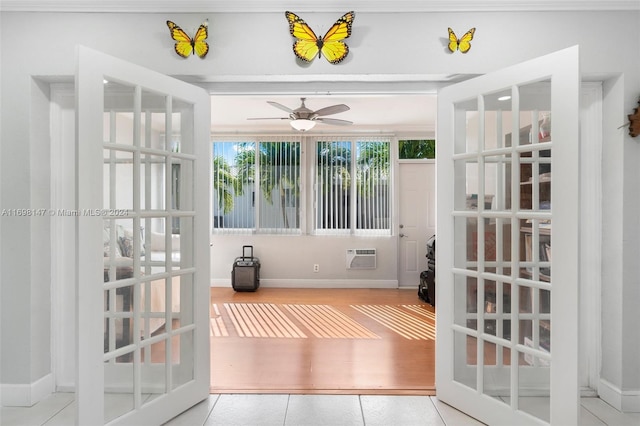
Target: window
353, 186
256, 185
416, 149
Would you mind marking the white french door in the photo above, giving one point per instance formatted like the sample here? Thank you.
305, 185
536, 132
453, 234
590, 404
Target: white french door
143, 250
507, 184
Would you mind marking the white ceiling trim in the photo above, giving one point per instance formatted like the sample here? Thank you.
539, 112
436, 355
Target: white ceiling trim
253, 6
377, 78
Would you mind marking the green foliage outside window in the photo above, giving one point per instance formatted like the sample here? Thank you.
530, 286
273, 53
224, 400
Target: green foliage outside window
417, 149
235, 169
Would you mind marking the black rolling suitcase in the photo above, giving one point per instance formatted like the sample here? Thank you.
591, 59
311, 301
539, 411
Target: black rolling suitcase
245, 275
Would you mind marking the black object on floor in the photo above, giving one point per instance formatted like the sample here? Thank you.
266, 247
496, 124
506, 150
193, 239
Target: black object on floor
245, 275
427, 286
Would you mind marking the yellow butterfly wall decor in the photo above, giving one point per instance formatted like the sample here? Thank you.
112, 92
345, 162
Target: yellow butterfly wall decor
462, 44
331, 46
186, 45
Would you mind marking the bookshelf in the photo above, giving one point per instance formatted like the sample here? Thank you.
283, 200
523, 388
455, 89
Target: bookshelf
532, 192
534, 188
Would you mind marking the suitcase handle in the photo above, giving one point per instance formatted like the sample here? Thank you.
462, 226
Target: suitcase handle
244, 251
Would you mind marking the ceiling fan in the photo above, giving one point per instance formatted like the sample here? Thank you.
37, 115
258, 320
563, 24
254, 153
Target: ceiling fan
303, 119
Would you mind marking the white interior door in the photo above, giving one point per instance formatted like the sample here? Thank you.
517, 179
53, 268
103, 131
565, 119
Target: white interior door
143, 250
507, 169
417, 218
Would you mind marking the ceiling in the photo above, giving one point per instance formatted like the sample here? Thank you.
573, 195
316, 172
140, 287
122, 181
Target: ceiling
244, 6
391, 113
384, 104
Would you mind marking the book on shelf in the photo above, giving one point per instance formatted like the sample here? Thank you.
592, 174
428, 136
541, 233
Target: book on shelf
543, 225
544, 254
542, 178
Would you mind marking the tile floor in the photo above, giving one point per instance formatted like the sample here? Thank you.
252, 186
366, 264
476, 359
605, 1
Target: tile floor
299, 410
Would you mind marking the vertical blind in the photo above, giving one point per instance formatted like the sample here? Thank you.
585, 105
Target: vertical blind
353, 178
256, 184
333, 185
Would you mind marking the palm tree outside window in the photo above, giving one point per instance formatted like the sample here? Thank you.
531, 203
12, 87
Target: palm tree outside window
256, 186
353, 186
414, 149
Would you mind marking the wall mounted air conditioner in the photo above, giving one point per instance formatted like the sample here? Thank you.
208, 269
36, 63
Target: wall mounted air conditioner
361, 258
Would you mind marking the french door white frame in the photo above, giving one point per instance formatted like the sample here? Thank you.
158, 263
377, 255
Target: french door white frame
61, 250
93, 68
563, 70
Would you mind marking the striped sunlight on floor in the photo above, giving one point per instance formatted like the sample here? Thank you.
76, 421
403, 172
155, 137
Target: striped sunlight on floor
401, 322
268, 320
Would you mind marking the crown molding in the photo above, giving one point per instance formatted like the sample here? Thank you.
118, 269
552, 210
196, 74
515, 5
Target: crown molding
255, 6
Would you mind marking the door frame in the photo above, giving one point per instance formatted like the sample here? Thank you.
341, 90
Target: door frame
591, 123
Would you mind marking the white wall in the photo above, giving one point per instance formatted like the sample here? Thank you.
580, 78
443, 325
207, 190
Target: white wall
42, 44
287, 261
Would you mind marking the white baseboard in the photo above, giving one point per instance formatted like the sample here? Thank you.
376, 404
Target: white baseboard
294, 283
625, 401
26, 395
587, 392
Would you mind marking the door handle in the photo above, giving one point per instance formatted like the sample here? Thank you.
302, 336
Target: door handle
402, 235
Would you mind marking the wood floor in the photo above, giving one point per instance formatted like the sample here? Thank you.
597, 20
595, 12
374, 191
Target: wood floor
339, 341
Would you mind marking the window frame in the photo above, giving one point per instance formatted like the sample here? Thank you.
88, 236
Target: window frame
255, 187
308, 183
353, 140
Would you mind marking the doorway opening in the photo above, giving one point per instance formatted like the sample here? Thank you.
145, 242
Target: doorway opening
68, 337
358, 367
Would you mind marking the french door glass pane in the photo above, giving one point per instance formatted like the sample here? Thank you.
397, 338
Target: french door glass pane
148, 186
117, 178
182, 366
153, 172
465, 289
121, 401
465, 370
467, 118
503, 211
496, 371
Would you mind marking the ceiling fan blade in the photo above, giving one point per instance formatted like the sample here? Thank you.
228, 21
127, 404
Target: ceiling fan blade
334, 121
333, 109
269, 118
280, 106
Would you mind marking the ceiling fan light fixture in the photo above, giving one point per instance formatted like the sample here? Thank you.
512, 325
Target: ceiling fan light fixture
302, 124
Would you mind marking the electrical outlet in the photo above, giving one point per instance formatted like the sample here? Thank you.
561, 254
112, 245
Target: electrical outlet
316, 268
